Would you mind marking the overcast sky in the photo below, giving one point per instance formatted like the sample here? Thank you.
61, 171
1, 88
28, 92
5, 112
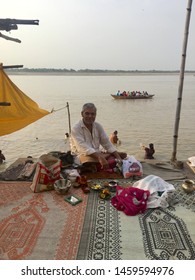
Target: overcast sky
99, 34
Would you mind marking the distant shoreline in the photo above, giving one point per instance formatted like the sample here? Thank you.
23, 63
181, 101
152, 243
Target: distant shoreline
56, 73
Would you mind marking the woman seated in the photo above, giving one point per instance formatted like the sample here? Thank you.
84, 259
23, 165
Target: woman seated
149, 151
114, 137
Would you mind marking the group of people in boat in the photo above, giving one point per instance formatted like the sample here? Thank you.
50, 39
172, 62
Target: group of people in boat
132, 93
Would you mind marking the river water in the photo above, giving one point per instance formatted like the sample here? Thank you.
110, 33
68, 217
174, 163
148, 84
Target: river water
137, 121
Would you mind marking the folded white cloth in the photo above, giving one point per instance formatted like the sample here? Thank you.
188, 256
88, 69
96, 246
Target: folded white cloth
192, 160
161, 192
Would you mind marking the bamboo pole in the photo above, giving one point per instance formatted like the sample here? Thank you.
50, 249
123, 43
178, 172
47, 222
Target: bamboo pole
180, 88
69, 123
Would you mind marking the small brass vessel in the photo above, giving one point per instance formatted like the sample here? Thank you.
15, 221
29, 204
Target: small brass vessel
188, 186
112, 185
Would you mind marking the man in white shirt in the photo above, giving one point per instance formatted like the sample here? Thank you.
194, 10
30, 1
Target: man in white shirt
88, 137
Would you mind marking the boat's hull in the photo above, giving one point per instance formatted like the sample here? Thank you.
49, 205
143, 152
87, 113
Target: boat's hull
149, 96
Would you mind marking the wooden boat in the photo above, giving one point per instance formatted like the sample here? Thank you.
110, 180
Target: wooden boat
141, 96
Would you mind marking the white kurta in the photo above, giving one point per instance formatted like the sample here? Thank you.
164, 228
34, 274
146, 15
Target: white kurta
83, 142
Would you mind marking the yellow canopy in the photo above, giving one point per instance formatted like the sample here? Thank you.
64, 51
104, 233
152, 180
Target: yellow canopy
22, 110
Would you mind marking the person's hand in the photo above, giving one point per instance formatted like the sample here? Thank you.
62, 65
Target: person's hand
103, 162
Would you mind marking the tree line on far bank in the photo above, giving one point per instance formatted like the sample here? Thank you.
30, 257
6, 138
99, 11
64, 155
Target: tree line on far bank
64, 70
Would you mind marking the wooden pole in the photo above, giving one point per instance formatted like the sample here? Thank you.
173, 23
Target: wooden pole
69, 123
180, 89
5, 104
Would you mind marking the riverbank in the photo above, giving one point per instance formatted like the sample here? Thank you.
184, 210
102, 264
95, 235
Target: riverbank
61, 72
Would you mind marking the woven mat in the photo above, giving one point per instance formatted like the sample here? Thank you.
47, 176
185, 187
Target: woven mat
160, 234
43, 226
38, 226
19, 171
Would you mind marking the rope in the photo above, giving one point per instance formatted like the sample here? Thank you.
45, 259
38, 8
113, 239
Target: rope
53, 110
67, 106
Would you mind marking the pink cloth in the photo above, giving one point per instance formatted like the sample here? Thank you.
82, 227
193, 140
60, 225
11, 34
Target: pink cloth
130, 200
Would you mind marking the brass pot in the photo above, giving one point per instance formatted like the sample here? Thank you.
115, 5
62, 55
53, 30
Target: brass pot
112, 185
188, 186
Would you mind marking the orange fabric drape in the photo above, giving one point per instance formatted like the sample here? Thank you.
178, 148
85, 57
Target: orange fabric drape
22, 110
